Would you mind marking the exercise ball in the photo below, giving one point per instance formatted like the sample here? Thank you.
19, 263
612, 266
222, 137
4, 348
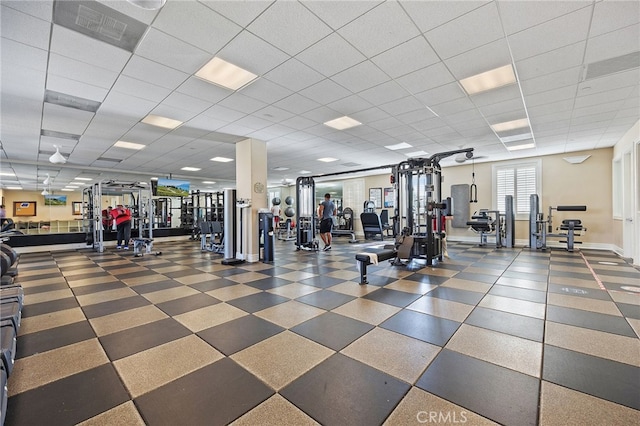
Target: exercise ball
289, 200
275, 201
289, 212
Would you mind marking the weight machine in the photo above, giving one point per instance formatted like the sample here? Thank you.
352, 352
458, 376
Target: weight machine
306, 211
501, 225
135, 195
540, 228
419, 208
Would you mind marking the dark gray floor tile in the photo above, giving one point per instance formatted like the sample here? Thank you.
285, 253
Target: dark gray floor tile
113, 306
137, 274
389, 296
186, 304
319, 270
39, 277
420, 278
457, 295
421, 326
257, 302
629, 311
57, 337
137, 339
615, 286
503, 395
325, 299
68, 401
32, 310
276, 270
323, 329
88, 289
589, 293
239, 334
322, 281
213, 284
181, 273
519, 293
470, 276
157, 286
269, 282
89, 276
505, 322
624, 274
592, 320
232, 271
342, 391
606, 379
45, 288
213, 395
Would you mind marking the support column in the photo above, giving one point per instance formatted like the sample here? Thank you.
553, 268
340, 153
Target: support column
251, 184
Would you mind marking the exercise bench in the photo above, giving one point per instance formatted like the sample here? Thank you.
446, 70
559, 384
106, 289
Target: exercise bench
373, 258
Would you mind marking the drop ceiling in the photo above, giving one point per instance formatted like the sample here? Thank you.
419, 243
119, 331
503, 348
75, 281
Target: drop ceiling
394, 66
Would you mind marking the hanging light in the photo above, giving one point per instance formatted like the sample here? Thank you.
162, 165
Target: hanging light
47, 181
57, 158
45, 192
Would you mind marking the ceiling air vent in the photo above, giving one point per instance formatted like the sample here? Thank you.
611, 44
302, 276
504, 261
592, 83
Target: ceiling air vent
70, 101
59, 135
100, 22
612, 65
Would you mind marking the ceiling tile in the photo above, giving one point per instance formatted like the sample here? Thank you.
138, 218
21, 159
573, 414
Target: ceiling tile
294, 74
81, 71
563, 31
141, 89
556, 60
444, 93
24, 28
266, 91
189, 20
185, 102
349, 105
338, 13
242, 103
407, 57
501, 94
246, 47
325, 92
204, 90
518, 16
383, 93
426, 78
297, 104
360, 77
220, 112
404, 105
490, 56
274, 114
88, 50
40, 9
331, 55
476, 28
610, 15
556, 80
429, 15
296, 19
160, 47
613, 44
380, 29
242, 13
62, 119
153, 72
75, 88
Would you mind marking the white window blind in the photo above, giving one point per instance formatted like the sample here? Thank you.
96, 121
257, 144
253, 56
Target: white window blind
519, 180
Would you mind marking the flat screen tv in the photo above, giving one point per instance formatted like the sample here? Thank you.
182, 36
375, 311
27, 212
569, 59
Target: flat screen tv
170, 187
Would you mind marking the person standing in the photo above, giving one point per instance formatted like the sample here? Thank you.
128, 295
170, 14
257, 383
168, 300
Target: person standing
107, 219
326, 212
122, 216
3, 215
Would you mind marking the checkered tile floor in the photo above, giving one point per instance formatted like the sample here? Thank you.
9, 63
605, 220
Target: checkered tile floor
488, 336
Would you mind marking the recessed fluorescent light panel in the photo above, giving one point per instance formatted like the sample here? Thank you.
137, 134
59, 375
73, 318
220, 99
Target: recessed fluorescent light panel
128, 145
67, 189
416, 154
510, 125
521, 146
209, 182
397, 146
17, 188
516, 138
343, 123
190, 169
280, 169
222, 159
489, 80
327, 159
81, 178
159, 121
7, 174
304, 172
225, 74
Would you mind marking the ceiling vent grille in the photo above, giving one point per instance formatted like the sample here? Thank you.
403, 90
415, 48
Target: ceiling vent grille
59, 135
612, 65
70, 101
100, 22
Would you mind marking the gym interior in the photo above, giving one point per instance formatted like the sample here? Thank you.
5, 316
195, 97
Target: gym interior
477, 274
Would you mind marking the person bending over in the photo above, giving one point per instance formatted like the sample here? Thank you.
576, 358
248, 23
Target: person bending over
326, 212
107, 219
122, 215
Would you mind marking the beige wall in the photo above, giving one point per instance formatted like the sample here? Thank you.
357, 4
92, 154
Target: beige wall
43, 213
588, 183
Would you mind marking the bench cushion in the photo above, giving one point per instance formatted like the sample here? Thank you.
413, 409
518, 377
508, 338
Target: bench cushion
383, 254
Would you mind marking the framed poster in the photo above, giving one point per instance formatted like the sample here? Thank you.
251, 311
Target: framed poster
76, 207
24, 208
389, 198
375, 195
55, 200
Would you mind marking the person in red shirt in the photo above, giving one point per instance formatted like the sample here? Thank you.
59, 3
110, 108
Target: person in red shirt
122, 216
107, 219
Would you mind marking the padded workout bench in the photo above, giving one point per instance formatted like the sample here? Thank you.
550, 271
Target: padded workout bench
373, 258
